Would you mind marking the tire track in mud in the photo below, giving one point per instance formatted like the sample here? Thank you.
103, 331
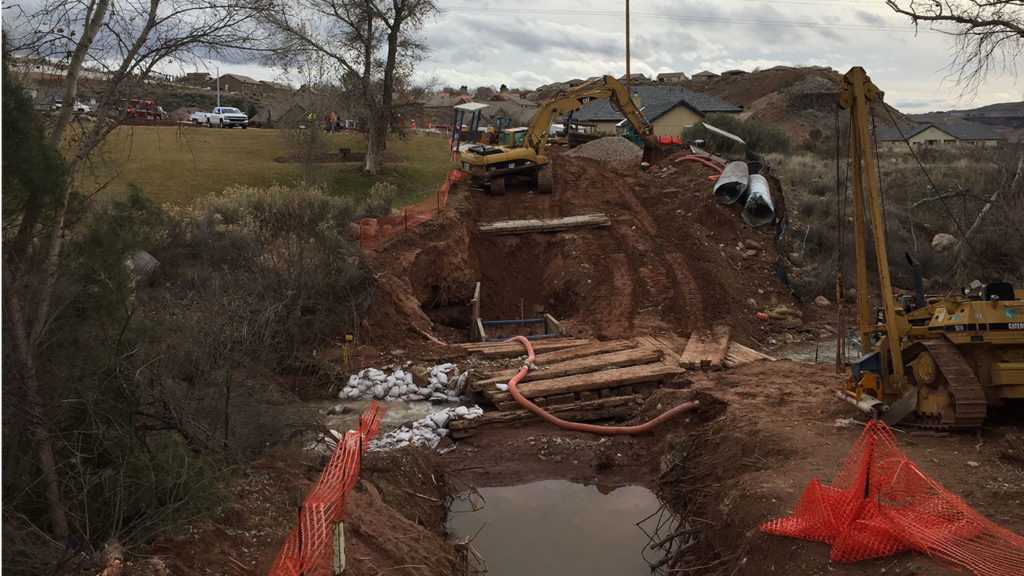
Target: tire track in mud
664, 293
687, 297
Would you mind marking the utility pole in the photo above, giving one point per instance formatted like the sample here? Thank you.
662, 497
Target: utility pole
629, 89
217, 68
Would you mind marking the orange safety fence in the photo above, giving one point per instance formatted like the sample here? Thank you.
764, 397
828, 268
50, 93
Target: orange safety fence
375, 231
880, 503
309, 549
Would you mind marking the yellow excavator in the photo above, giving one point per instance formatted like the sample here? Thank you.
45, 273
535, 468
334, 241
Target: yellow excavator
937, 362
491, 167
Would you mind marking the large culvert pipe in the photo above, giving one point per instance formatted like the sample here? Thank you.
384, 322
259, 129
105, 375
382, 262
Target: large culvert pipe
577, 426
759, 209
732, 184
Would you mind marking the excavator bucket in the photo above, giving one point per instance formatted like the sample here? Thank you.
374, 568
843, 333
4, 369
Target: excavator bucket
652, 154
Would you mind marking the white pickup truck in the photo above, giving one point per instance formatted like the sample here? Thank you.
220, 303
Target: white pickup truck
222, 116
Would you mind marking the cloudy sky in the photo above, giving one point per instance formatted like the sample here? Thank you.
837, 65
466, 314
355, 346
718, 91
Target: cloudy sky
527, 43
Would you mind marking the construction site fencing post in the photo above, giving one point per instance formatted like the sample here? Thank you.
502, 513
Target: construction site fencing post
309, 549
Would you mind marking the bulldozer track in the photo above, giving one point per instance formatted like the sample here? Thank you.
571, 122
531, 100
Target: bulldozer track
968, 395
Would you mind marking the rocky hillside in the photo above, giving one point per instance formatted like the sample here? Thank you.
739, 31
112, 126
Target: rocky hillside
800, 100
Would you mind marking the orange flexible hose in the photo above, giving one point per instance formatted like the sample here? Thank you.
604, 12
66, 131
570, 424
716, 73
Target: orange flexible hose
577, 426
702, 160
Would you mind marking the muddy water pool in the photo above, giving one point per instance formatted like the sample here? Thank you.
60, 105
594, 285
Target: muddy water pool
557, 528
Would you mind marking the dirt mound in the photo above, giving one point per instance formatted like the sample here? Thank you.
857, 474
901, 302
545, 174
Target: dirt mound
800, 101
673, 260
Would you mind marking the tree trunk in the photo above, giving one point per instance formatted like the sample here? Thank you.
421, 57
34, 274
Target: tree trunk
93, 23
376, 139
38, 424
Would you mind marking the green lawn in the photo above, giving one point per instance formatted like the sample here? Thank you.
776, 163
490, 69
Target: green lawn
179, 164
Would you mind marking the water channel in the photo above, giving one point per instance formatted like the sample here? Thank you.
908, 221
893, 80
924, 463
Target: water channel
557, 528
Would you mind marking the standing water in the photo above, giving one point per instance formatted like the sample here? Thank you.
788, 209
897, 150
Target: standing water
558, 528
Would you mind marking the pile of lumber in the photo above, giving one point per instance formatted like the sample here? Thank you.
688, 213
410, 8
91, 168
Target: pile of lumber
585, 380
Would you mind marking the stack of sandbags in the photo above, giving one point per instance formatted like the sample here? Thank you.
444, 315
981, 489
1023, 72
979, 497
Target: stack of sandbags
427, 431
442, 383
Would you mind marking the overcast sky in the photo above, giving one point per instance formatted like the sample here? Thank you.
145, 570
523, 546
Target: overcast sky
528, 43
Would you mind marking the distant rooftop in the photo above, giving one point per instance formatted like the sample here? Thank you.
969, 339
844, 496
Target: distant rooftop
656, 101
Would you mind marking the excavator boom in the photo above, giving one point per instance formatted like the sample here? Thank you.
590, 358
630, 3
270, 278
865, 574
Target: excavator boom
491, 166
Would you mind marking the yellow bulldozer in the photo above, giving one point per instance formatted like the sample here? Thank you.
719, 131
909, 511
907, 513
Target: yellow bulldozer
491, 167
937, 362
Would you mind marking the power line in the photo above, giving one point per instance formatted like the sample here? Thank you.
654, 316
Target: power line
687, 18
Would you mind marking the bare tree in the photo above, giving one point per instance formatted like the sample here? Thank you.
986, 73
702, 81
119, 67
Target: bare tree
988, 36
123, 42
372, 43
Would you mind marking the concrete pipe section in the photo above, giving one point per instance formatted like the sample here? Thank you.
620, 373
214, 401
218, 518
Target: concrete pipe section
758, 209
732, 184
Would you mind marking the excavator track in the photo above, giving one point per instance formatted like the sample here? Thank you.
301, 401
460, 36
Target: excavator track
968, 396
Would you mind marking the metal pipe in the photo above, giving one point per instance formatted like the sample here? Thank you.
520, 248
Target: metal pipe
868, 404
732, 184
524, 320
758, 209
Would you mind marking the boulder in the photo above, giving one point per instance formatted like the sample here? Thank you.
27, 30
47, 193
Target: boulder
942, 242
822, 302
141, 268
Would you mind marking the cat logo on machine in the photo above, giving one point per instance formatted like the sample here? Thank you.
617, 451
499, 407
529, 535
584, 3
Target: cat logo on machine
1015, 325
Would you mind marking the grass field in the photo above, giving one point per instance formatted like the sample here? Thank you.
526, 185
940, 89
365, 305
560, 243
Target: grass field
178, 164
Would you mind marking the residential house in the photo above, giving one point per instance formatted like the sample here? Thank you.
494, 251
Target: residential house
670, 109
196, 79
436, 110
945, 132
705, 75
671, 77
238, 84
634, 78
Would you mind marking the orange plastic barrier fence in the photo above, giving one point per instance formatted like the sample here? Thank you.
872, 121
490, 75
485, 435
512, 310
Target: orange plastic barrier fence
376, 231
880, 503
309, 549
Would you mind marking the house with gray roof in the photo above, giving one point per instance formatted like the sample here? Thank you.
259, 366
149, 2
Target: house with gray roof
671, 77
705, 75
944, 132
670, 109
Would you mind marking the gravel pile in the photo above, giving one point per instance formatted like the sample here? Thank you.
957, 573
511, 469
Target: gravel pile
442, 384
426, 431
609, 149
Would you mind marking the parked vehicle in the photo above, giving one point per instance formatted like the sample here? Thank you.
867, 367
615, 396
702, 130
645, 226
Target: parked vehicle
146, 109
222, 116
83, 108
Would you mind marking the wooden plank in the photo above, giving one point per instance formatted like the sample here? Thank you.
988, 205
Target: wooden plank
545, 225
549, 358
602, 409
739, 354
706, 350
654, 342
551, 325
719, 348
513, 349
592, 381
583, 365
